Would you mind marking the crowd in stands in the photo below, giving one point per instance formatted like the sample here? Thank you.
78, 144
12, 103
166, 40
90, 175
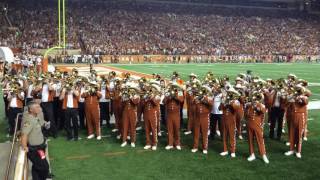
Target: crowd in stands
169, 29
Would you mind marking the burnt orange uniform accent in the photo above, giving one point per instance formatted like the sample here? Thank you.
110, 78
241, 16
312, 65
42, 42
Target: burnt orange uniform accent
65, 101
191, 108
201, 122
173, 105
92, 112
229, 124
255, 120
129, 118
298, 122
150, 116
239, 115
50, 97
117, 108
268, 103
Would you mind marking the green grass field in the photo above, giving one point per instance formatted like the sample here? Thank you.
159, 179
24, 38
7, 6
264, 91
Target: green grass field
89, 159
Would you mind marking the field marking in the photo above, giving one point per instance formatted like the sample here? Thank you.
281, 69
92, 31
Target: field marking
114, 153
78, 157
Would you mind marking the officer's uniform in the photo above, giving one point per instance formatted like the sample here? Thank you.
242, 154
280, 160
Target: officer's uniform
32, 127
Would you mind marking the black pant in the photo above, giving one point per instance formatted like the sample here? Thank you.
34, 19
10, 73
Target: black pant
48, 113
104, 112
6, 104
71, 116
215, 119
163, 115
276, 118
12, 114
82, 115
40, 167
59, 113
28, 100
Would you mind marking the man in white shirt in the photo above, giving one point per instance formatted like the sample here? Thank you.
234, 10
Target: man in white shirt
216, 114
104, 103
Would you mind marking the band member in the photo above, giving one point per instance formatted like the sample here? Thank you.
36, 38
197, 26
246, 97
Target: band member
277, 113
240, 111
15, 98
151, 101
190, 95
57, 103
162, 106
104, 101
44, 91
81, 104
255, 111
117, 107
130, 100
229, 106
29, 88
297, 124
91, 99
203, 103
173, 99
216, 114
70, 97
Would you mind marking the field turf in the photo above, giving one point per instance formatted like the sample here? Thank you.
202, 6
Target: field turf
93, 160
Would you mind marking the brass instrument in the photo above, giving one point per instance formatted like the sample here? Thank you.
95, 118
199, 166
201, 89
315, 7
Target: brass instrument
172, 90
255, 97
91, 89
231, 95
203, 91
152, 90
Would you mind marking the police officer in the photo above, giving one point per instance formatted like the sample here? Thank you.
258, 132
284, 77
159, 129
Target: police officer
33, 141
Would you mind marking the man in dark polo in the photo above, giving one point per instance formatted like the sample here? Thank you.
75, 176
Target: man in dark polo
33, 141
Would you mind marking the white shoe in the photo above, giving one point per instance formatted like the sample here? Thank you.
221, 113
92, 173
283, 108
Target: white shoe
187, 132
119, 136
265, 159
114, 130
194, 150
123, 144
178, 147
287, 143
251, 157
289, 153
154, 148
224, 153
240, 137
169, 147
99, 138
205, 151
90, 136
128, 137
159, 134
138, 128
133, 145
233, 155
147, 147
283, 131
305, 138
218, 133
298, 155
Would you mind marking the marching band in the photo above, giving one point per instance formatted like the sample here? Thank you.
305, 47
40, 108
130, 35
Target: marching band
215, 106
